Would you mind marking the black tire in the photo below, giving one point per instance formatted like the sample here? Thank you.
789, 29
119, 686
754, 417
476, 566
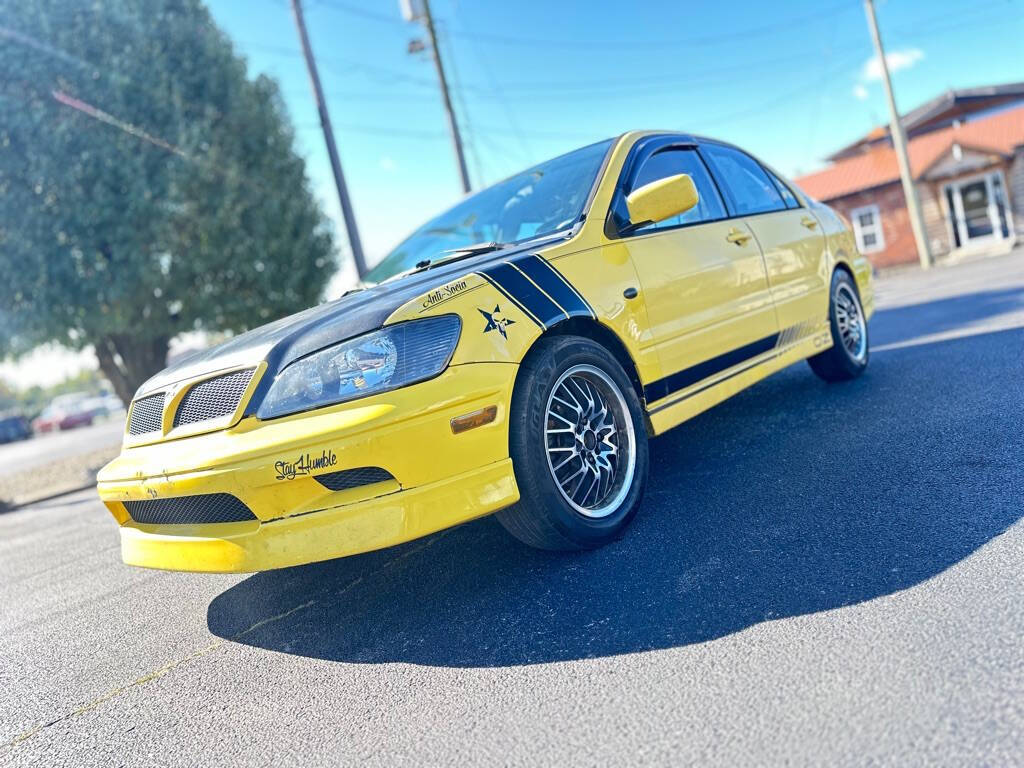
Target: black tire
842, 362
544, 517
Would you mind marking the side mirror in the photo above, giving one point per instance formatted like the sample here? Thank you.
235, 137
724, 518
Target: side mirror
661, 199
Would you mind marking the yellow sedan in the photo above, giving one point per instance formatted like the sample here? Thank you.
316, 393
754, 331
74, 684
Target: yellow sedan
513, 355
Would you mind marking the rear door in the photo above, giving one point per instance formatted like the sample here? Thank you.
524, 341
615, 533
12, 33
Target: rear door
702, 279
789, 235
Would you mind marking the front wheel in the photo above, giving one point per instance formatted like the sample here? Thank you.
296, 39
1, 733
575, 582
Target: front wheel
848, 356
578, 445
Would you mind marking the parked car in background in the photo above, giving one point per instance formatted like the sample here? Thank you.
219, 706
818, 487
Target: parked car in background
65, 412
103, 406
14, 426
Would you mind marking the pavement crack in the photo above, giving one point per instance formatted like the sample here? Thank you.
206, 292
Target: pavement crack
170, 666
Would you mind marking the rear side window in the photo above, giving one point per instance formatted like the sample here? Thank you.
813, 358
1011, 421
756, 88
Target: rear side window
787, 194
744, 183
672, 162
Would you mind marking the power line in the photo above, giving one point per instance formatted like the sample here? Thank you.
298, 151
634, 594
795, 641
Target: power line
460, 98
99, 115
365, 13
603, 85
698, 40
414, 133
105, 117
580, 87
780, 100
498, 93
453, 123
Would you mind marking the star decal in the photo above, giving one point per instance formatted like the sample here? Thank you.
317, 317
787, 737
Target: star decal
496, 321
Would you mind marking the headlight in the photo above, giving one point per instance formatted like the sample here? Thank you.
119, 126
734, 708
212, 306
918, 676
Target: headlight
376, 362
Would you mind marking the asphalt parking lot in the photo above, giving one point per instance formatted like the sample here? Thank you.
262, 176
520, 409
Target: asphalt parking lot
826, 574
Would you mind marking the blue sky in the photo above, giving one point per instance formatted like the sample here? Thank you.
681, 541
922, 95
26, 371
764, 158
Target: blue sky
788, 81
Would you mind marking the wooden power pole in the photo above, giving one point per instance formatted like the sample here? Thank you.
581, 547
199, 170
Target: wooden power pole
332, 150
899, 143
453, 124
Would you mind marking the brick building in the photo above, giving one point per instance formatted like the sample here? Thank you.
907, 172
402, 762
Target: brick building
967, 158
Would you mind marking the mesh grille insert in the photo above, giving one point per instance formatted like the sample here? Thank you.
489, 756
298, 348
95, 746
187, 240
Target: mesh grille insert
353, 478
147, 415
213, 398
190, 510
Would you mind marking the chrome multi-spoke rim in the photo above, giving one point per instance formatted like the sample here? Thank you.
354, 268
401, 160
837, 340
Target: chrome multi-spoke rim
850, 320
591, 448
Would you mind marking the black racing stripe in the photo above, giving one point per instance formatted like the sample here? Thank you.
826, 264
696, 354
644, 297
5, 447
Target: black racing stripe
697, 373
572, 287
514, 284
509, 296
554, 284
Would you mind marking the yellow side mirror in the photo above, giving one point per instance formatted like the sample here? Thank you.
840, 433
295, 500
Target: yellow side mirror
661, 199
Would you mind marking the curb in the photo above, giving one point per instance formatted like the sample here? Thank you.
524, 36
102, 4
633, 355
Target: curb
49, 497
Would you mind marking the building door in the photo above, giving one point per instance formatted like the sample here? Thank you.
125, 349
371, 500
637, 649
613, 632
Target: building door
979, 210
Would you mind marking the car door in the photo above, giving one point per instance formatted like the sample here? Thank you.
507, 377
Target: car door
702, 278
789, 235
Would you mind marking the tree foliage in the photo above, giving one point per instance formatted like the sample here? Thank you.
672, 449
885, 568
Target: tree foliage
147, 185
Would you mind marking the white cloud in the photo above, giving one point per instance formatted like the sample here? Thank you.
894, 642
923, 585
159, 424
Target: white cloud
860, 92
896, 60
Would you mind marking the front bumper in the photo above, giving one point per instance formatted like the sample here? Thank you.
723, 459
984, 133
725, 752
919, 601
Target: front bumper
440, 478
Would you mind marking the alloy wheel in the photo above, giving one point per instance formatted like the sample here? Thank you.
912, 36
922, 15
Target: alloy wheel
591, 446
850, 320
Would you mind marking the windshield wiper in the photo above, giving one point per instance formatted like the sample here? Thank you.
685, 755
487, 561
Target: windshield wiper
477, 247
460, 253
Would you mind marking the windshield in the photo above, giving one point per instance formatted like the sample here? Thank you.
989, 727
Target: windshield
538, 201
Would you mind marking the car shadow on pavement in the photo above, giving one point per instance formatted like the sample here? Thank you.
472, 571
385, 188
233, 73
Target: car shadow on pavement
792, 498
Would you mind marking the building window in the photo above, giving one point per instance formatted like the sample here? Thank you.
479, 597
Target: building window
867, 228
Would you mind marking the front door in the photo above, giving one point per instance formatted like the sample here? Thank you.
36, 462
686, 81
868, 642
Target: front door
703, 280
979, 210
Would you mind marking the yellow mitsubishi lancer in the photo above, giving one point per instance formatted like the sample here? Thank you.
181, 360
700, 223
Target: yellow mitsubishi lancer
513, 355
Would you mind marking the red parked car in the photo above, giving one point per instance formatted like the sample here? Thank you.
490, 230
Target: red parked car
64, 412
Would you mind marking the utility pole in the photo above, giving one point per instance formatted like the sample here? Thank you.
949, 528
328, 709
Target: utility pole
332, 150
453, 125
899, 143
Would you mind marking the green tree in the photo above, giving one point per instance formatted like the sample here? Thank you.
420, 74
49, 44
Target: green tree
147, 185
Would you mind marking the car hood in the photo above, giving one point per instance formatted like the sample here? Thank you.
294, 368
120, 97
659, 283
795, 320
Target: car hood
286, 340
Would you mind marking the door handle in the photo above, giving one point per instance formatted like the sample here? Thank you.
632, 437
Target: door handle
808, 222
737, 236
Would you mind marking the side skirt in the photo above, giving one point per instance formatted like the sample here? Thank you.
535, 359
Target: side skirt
679, 407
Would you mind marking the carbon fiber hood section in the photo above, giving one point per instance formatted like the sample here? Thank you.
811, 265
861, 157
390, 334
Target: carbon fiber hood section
285, 340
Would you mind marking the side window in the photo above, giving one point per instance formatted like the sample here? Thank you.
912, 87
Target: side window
675, 161
787, 194
744, 182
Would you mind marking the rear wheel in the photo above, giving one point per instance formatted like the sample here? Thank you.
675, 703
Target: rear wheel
578, 446
848, 356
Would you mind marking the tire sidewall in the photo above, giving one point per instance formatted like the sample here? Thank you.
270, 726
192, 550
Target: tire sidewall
528, 447
852, 366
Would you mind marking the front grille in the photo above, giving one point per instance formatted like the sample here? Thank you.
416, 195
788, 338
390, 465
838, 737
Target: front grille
213, 398
190, 510
147, 415
353, 478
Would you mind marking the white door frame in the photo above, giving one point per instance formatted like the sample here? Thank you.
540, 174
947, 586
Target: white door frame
958, 219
